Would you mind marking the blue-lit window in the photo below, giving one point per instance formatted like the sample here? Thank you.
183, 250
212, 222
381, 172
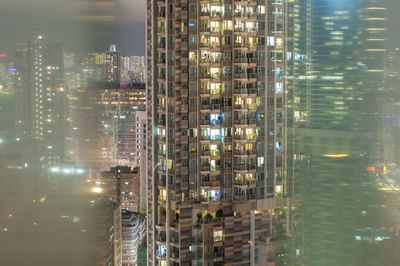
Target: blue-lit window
279, 87
215, 134
215, 119
162, 251
278, 146
192, 71
271, 41
278, 73
192, 24
215, 194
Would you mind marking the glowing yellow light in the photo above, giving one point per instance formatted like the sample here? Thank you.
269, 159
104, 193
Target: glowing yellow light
83, 230
97, 189
10, 215
343, 155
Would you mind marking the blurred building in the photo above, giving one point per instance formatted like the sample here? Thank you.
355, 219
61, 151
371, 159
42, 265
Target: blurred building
112, 65
108, 246
104, 66
103, 123
133, 68
133, 233
338, 80
7, 117
56, 108
47, 107
122, 184
36, 71
21, 92
118, 104
22, 189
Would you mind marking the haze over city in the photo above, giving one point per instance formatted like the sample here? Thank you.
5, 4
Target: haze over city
199, 132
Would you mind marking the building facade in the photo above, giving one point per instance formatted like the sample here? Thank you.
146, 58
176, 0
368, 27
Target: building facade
141, 151
133, 233
122, 184
219, 163
47, 97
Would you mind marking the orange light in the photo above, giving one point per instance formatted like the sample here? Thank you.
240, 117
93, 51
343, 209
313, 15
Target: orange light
371, 168
342, 155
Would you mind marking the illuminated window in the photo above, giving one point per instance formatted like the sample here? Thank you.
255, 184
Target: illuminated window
278, 43
260, 161
228, 25
278, 146
192, 56
215, 88
218, 236
215, 26
238, 39
271, 41
279, 87
215, 72
251, 42
162, 252
215, 42
216, 11
163, 195
215, 134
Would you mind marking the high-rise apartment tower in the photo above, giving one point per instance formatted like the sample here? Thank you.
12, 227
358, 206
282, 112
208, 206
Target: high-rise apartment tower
219, 156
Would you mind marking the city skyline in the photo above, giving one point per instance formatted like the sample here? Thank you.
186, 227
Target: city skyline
200, 132
26, 15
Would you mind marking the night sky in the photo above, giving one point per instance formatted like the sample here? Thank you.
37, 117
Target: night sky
58, 19
61, 22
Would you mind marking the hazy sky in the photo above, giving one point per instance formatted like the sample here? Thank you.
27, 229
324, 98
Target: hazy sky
57, 18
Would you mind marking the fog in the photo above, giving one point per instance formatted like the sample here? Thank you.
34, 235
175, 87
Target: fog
57, 130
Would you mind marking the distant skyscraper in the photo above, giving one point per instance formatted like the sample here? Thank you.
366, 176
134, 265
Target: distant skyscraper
22, 93
121, 184
219, 156
338, 78
7, 117
104, 66
36, 71
119, 103
133, 68
48, 97
112, 65
103, 124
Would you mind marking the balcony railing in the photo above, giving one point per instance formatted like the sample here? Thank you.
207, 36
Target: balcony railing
245, 167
